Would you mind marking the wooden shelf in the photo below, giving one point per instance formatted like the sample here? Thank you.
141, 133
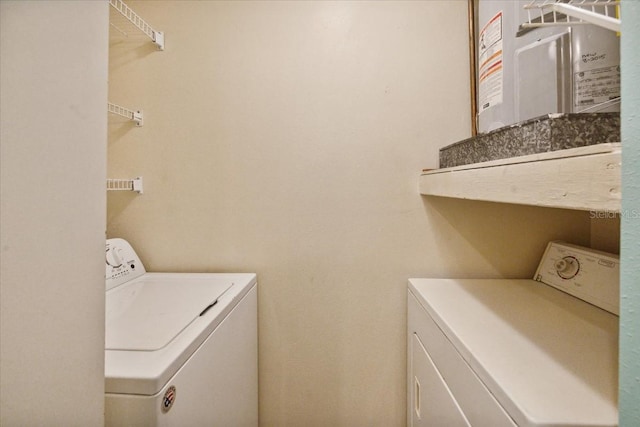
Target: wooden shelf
583, 178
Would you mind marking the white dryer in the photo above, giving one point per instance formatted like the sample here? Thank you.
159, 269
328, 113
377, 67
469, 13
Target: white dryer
181, 348
528, 353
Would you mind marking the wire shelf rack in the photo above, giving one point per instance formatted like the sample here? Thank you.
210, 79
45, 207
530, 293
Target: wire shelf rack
133, 115
544, 13
134, 184
156, 36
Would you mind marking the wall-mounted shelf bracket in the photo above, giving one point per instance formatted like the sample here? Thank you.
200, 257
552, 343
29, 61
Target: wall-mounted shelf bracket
156, 36
602, 13
125, 185
132, 115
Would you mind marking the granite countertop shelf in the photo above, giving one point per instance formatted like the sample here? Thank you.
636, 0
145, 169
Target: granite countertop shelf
544, 134
581, 178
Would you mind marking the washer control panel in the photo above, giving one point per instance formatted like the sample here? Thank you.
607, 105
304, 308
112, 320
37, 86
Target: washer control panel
122, 263
585, 273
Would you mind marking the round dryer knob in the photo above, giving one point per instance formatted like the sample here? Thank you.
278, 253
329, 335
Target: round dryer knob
113, 259
567, 267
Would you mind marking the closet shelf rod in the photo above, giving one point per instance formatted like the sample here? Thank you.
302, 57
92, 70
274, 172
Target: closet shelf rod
132, 115
156, 36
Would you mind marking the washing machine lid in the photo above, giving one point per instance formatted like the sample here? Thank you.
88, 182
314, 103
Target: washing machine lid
550, 359
135, 367
147, 313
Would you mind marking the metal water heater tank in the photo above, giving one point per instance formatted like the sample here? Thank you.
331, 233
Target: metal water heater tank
525, 73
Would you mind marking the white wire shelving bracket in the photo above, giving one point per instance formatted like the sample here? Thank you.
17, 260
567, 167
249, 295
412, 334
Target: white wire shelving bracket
132, 115
125, 185
603, 13
156, 36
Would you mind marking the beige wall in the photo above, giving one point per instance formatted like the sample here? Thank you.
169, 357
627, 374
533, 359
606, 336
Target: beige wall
53, 72
286, 138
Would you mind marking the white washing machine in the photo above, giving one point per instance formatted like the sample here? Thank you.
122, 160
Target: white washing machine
181, 348
503, 352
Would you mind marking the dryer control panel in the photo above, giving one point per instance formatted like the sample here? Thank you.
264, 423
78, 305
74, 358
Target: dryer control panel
122, 263
585, 273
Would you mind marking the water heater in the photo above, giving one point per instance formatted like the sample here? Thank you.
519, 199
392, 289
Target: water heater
525, 73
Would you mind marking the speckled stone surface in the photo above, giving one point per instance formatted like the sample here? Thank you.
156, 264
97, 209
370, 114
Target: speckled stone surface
542, 134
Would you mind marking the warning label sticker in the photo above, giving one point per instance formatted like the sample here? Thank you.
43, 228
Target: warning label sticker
593, 87
490, 72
